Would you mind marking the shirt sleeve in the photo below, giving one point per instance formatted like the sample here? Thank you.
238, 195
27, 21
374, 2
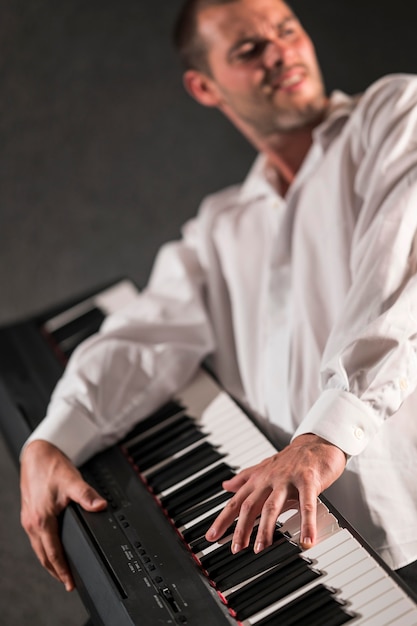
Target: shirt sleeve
142, 355
369, 366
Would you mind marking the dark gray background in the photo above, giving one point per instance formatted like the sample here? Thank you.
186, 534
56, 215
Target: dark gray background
102, 158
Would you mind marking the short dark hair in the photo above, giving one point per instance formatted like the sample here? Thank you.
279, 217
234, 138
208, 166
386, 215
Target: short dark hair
187, 40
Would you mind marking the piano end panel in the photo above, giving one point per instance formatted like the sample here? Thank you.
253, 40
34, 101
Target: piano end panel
100, 596
13, 424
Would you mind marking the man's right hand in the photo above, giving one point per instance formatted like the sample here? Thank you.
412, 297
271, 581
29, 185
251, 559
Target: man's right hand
49, 481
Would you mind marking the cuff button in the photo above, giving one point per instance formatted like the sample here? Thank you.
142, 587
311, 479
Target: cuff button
359, 434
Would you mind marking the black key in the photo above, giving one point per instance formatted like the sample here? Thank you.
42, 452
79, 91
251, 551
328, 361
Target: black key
184, 467
172, 429
271, 587
223, 557
200, 529
164, 413
331, 615
299, 611
202, 544
254, 564
67, 336
202, 508
197, 490
164, 451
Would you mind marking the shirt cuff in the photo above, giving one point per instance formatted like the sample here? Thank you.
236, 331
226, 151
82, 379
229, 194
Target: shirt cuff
70, 431
342, 419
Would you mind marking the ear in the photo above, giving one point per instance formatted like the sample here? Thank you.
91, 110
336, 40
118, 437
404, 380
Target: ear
201, 88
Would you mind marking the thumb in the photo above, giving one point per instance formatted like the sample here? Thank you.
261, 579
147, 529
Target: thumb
88, 498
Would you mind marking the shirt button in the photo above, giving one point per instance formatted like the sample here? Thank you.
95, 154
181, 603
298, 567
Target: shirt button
359, 434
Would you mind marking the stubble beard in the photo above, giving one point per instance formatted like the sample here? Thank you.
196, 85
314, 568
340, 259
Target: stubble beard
289, 121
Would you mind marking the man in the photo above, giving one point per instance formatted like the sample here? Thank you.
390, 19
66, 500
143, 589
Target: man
300, 285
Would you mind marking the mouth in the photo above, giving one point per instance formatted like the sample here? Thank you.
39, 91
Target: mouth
288, 80
291, 80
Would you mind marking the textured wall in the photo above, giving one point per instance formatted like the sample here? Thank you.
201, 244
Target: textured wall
102, 153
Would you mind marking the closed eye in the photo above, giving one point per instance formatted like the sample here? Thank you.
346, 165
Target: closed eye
249, 50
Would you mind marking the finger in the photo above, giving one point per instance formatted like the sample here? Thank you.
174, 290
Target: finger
37, 547
274, 505
308, 513
238, 481
47, 548
55, 556
87, 497
249, 512
225, 518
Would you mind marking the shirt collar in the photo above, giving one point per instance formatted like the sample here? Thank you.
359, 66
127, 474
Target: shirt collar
260, 181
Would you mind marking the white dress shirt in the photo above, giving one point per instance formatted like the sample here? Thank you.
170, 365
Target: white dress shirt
306, 305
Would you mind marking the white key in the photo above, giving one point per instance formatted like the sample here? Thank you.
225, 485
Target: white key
343, 554
399, 613
373, 611
359, 580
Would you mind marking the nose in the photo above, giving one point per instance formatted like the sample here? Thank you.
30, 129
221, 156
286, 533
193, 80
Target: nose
276, 52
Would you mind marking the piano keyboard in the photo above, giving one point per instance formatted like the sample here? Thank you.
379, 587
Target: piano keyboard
181, 455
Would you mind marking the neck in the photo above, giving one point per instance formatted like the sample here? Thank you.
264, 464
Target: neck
286, 153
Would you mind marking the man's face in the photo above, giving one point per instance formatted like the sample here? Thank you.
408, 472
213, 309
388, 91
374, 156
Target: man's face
263, 66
